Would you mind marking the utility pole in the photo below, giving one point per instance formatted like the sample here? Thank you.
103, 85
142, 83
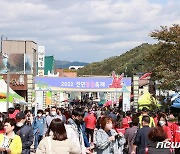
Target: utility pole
1, 42
8, 84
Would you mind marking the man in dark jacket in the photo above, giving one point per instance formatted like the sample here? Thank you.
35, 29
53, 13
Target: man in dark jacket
141, 140
25, 132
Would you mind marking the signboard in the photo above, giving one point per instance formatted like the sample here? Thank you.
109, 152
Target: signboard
39, 100
13, 62
41, 52
41, 72
126, 101
80, 84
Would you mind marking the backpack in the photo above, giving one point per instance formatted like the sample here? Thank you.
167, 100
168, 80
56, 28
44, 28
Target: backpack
35, 120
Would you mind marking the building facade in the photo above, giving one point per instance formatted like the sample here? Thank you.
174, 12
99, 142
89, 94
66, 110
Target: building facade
18, 66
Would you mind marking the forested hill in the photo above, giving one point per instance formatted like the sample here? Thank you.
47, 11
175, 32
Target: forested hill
131, 62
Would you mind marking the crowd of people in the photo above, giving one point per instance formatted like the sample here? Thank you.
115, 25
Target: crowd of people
84, 129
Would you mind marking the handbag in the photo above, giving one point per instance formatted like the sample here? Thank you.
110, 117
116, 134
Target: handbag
49, 144
126, 147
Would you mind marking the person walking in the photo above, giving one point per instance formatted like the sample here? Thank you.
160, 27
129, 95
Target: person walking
157, 134
56, 140
61, 115
76, 123
162, 122
50, 117
107, 140
145, 112
130, 133
141, 140
10, 143
38, 127
25, 132
176, 133
90, 121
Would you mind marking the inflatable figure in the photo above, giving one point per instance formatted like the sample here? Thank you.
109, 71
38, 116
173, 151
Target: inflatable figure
116, 83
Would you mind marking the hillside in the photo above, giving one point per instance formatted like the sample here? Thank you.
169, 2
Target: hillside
66, 64
131, 62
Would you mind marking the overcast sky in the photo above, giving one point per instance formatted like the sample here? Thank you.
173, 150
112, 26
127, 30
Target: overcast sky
86, 30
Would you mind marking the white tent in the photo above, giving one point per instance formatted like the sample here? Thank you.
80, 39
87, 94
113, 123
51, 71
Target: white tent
13, 96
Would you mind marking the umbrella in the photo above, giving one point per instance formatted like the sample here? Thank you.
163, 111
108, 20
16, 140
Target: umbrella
174, 97
22, 102
102, 102
176, 105
176, 102
108, 103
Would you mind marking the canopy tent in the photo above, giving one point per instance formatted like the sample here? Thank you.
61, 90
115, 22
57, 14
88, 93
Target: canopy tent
13, 96
175, 99
147, 100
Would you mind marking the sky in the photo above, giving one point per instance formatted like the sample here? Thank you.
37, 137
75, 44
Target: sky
86, 30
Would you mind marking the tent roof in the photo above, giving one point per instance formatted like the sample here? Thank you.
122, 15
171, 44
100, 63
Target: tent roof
146, 99
12, 93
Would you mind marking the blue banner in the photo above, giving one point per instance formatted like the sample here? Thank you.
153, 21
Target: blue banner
45, 83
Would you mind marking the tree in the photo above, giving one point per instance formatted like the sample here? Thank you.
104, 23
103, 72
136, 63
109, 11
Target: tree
166, 58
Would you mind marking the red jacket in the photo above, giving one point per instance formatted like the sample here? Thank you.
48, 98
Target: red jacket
176, 132
2, 131
126, 121
90, 121
122, 130
167, 130
14, 114
155, 120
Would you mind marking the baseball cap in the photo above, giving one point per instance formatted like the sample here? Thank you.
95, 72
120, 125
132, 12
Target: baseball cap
20, 115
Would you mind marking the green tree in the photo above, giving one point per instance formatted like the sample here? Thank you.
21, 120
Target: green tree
166, 59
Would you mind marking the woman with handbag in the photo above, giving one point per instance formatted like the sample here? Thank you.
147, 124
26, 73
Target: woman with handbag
56, 141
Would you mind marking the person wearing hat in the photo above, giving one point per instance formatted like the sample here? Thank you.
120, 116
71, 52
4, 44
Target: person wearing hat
145, 112
90, 122
25, 132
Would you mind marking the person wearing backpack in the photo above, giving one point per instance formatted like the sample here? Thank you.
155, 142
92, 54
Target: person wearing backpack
145, 112
38, 128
